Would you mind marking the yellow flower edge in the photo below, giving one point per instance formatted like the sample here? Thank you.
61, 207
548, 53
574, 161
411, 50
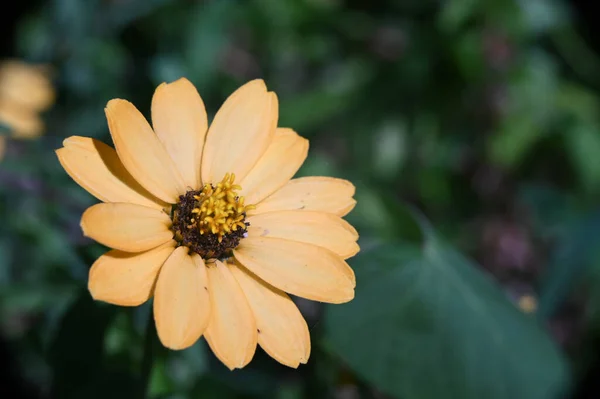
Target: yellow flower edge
209, 221
25, 92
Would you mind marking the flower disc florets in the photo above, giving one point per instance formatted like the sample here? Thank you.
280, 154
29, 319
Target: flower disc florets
211, 221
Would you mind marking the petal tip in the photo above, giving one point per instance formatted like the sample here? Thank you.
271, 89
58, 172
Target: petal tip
257, 83
183, 80
115, 102
83, 221
174, 346
115, 106
350, 294
69, 140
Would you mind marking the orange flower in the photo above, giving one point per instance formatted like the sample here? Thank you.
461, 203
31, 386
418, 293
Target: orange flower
208, 222
25, 91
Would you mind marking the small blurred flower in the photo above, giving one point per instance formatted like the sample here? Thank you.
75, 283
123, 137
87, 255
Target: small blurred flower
216, 255
528, 303
25, 91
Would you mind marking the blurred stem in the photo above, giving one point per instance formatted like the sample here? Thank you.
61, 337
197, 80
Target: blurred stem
148, 358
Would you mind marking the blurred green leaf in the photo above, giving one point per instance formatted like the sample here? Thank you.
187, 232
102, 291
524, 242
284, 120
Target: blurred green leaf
455, 13
568, 263
206, 39
577, 53
34, 298
4, 129
583, 146
469, 55
434, 185
514, 140
533, 87
426, 323
590, 281
309, 109
122, 13
551, 211
76, 353
34, 37
542, 15
390, 152
578, 101
160, 383
185, 367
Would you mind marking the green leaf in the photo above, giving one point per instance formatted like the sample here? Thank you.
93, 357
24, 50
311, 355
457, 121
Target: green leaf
469, 55
583, 145
320, 103
390, 149
514, 140
426, 323
455, 13
4, 129
551, 211
541, 16
184, 368
577, 101
76, 352
569, 262
206, 40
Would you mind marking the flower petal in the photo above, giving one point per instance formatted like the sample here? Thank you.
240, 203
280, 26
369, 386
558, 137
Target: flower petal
317, 228
180, 122
277, 166
26, 85
181, 300
301, 269
128, 227
323, 194
22, 122
231, 333
96, 167
141, 152
282, 331
127, 279
240, 133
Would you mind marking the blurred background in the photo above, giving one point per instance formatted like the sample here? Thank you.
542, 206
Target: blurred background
471, 129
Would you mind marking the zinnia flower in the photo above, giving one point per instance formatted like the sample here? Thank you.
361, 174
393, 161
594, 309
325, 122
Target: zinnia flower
208, 222
25, 91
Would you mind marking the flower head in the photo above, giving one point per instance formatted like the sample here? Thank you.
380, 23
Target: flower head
25, 91
209, 222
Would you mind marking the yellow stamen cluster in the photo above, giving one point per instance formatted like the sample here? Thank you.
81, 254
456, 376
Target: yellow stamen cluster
219, 210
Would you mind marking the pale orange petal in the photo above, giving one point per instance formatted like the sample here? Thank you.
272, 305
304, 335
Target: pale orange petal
142, 153
26, 85
127, 279
22, 122
240, 132
282, 331
231, 333
277, 166
181, 300
318, 228
323, 194
128, 227
96, 167
180, 122
301, 269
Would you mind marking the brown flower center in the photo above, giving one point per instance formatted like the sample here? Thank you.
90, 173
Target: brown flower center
211, 221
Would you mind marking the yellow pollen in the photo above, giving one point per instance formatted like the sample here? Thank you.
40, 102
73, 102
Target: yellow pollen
219, 210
